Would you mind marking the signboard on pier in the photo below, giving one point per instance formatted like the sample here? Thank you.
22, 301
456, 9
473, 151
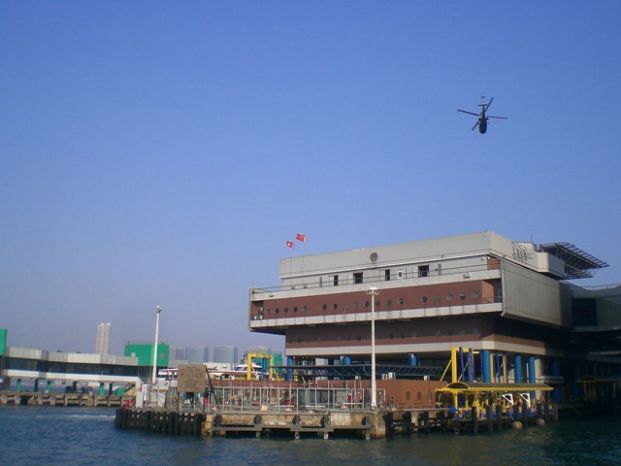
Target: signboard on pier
192, 378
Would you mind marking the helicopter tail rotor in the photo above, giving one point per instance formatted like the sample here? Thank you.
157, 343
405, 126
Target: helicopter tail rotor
486, 105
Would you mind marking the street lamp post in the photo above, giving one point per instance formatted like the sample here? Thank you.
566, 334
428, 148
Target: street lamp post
373, 292
158, 311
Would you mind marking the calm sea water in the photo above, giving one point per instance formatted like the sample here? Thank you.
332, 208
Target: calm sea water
84, 436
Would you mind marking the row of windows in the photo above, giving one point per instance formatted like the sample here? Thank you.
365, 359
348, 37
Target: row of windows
358, 277
389, 336
437, 299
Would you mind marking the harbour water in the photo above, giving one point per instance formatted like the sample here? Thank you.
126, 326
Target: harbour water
86, 436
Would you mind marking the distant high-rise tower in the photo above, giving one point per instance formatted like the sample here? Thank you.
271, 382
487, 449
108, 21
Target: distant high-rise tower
195, 354
102, 343
225, 354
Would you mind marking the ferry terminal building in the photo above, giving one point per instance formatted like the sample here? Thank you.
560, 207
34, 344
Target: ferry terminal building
510, 303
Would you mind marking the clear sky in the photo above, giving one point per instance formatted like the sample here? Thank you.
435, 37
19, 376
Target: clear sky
160, 153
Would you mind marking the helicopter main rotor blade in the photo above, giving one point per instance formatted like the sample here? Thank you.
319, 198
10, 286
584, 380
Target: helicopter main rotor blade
469, 113
489, 103
497, 117
475, 125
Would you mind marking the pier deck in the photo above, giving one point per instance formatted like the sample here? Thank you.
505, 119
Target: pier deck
63, 399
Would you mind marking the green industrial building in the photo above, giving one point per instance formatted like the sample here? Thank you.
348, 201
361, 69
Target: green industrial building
144, 353
2, 341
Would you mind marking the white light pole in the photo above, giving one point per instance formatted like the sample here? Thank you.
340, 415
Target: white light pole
373, 292
158, 310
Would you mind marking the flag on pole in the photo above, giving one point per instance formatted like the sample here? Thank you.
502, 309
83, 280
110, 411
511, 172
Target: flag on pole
290, 244
301, 237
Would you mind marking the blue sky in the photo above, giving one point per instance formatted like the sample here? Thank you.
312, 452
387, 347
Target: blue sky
162, 152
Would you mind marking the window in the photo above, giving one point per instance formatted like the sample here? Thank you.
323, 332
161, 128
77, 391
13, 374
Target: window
387, 275
389, 303
475, 295
335, 306
366, 304
401, 301
462, 296
336, 280
286, 310
358, 277
295, 309
423, 270
325, 306
423, 300
449, 297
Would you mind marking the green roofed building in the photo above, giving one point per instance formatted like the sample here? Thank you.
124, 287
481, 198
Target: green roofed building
144, 353
2, 341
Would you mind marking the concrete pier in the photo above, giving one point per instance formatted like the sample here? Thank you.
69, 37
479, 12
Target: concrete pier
362, 424
64, 399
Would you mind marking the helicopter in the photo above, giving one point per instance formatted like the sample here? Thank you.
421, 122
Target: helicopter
482, 116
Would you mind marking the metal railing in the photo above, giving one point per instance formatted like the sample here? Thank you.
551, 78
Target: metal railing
243, 398
348, 279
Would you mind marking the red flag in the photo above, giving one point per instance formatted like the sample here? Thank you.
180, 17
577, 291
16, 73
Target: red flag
290, 244
301, 237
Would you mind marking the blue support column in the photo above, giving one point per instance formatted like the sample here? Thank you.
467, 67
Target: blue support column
532, 377
412, 360
497, 368
470, 365
462, 365
289, 376
486, 378
517, 368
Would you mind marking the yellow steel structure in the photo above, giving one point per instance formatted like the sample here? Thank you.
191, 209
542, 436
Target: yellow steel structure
477, 394
251, 357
